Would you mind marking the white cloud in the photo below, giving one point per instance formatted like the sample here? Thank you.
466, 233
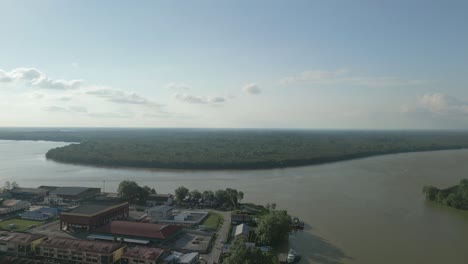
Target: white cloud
68, 109
122, 97
343, 76
192, 99
36, 78
251, 88
177, 86
437, 104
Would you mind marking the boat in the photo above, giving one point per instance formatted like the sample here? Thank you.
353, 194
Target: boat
291, 256
296, 223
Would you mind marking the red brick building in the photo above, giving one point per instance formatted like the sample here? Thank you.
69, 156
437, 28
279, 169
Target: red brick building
91, 216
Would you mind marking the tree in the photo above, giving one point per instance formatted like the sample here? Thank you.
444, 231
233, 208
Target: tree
181, 193
273, 228
14, 185
7, 185
196, 194
241, 254
240, 196
273, 206
208, 195
130, 191
430, 192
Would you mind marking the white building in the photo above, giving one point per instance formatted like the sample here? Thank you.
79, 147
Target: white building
162, 212
11, 205
53, 199
242, 231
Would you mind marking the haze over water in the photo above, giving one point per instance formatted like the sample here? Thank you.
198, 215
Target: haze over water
362, 211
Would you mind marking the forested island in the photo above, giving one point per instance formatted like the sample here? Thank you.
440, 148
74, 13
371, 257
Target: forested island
210, 149
455, 196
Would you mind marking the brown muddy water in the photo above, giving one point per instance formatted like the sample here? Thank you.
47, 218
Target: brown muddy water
361, 211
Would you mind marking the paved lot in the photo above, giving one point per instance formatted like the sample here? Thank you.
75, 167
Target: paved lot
192, 242
217, 249
53, 229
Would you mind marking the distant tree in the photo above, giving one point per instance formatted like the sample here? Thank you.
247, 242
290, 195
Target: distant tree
196, 194
273, 206
240, 196
130, 191
247, 255
7, 185
14, 184
208, 195
181, 193
273, 228
430, 192
268, 206
221, 196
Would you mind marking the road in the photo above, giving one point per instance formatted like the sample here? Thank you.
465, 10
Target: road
222, 234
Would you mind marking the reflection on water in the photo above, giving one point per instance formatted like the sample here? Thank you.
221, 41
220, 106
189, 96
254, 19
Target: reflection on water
362, 211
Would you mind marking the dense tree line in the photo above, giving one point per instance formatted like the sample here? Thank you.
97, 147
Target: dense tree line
131, 192
243, 149
239, 253
273, 228
456, 196
228, 198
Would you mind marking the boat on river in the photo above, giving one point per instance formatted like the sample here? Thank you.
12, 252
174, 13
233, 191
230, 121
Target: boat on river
292, 255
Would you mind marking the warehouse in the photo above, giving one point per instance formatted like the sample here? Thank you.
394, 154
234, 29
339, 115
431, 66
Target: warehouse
91, 216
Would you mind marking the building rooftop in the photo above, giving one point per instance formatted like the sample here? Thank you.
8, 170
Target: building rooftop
88, 246
188, 258
93, 209
137, 229
19, 260
22, 190
144, 253
19, 238
242, 229
161, 208
71, 190
10, 203
48, 188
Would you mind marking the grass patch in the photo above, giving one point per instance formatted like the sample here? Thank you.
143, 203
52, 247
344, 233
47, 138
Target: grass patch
212, 221
19, 224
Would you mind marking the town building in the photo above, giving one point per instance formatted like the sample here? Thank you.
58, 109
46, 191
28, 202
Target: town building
158, 213
159, 199
29, 194
180, 258
19, 244
40, 214
68, 250
70, 195
144, 255
136, 232
12, 205
167, 215
237, 219
242, 231
91, 216
20, 260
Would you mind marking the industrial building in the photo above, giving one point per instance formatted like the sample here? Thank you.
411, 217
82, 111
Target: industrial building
91, 216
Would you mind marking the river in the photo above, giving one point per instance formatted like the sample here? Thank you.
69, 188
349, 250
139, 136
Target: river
361, 211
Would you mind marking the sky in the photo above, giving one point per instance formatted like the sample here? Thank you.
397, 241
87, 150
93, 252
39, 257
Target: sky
234, 64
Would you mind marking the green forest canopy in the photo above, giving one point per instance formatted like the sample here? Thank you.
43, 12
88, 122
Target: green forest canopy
455, 196
231, 148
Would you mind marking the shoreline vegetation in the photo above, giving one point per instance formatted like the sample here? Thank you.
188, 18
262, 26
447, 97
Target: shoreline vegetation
220, 149
455, 196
